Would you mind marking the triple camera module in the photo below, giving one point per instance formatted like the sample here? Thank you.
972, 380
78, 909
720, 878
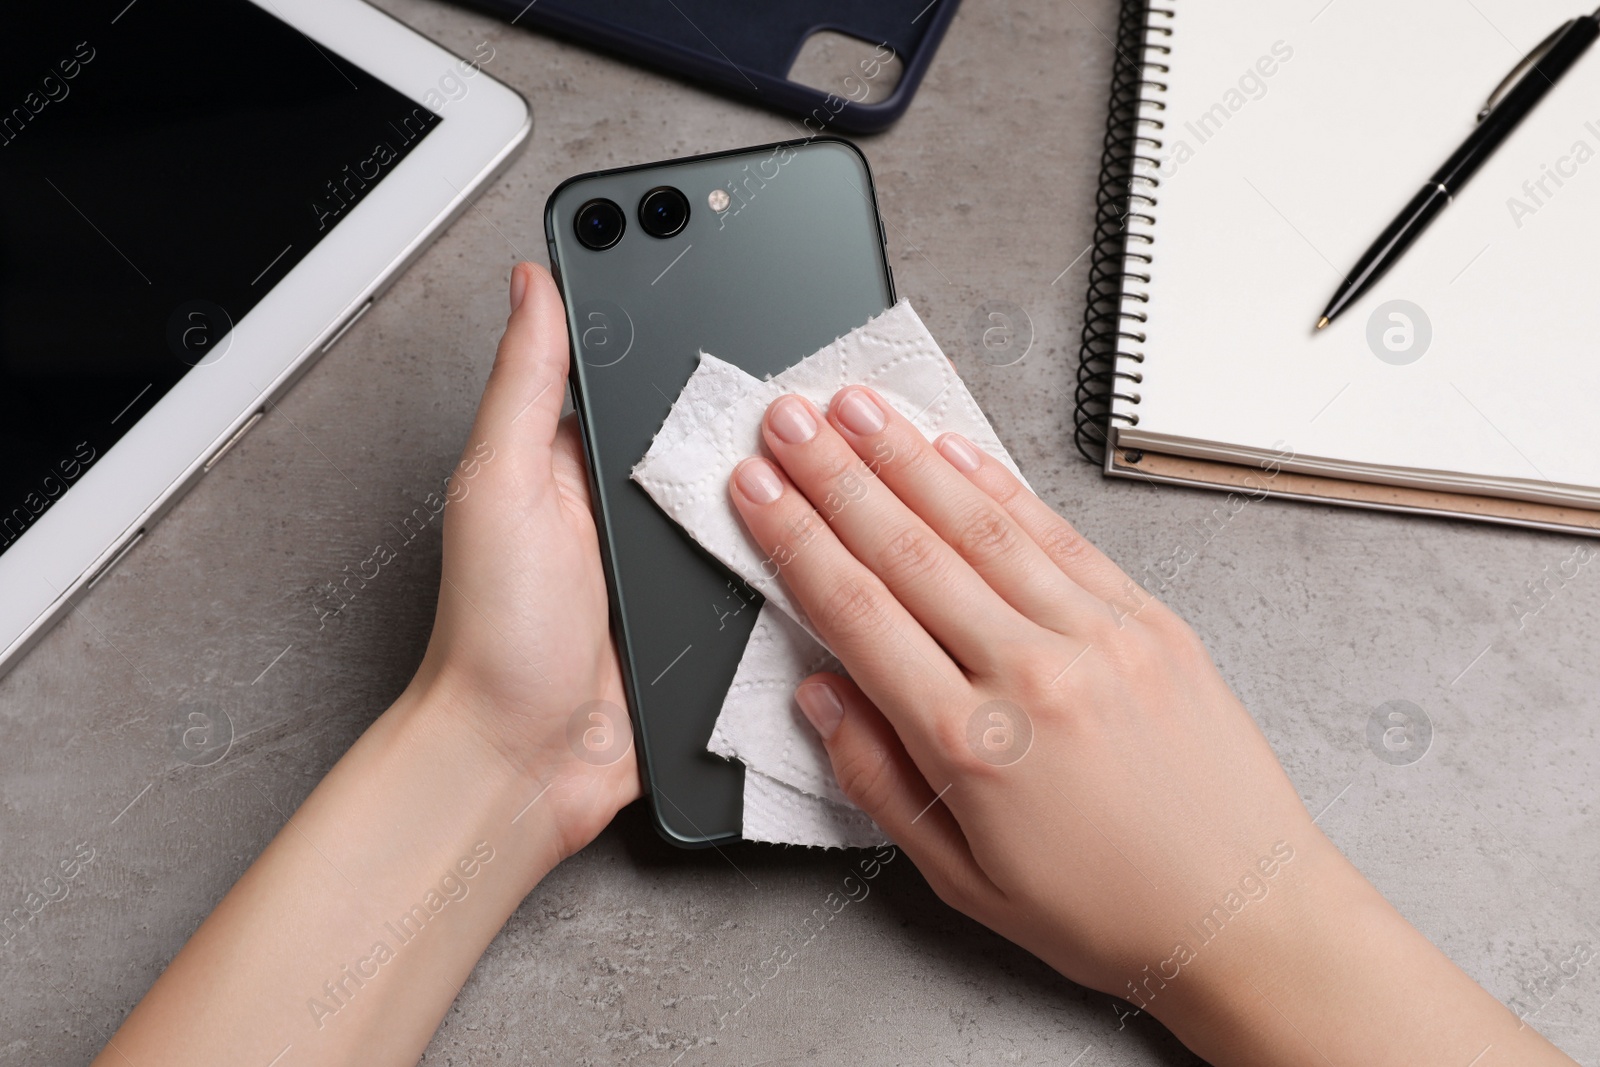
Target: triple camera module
663, 212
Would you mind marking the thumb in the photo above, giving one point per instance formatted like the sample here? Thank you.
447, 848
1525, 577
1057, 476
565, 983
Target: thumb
522, 400
878, 775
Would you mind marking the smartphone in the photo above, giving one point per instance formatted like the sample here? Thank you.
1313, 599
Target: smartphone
759, 256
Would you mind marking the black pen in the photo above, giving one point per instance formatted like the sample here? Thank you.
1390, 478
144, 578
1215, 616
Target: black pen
1510, 103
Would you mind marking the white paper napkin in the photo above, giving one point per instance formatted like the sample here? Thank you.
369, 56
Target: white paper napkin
791, 795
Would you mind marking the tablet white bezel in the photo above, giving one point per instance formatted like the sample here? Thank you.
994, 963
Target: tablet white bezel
129, 486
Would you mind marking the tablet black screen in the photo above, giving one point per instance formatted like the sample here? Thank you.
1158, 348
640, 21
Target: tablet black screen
163, 164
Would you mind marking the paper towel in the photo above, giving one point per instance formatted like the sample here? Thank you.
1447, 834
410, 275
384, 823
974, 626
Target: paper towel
761, 725
782, 815
791, 794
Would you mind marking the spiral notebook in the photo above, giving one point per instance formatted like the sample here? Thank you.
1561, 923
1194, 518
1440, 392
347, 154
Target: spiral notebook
1254, 149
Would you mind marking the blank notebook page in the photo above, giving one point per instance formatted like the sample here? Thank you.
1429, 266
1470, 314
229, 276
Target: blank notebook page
1273, 186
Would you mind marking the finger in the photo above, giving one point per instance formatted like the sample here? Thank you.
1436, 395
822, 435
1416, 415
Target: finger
966, 517
1078, 559
888, 653
879, 776
522, 401
938, 587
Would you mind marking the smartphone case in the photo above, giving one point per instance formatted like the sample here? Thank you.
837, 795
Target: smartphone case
748, 49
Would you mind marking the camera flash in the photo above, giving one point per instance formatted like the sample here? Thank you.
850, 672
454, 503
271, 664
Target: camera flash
718, 200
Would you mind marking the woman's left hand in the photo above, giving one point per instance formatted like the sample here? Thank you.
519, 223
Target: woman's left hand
521, 640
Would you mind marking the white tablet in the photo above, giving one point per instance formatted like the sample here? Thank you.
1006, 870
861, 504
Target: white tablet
196, 199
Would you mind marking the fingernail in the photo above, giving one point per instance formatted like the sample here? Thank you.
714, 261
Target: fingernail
758, 481
858, 412
791, 420
959, 451
519, 287
822, 707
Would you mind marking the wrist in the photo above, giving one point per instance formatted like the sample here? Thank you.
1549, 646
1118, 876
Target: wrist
1244, 996
473, 777
541, 754
1334, 973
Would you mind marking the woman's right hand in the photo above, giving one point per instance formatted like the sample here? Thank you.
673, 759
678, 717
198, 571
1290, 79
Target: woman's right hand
1057, 753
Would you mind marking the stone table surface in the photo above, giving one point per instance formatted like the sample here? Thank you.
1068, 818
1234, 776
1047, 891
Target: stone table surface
632, 953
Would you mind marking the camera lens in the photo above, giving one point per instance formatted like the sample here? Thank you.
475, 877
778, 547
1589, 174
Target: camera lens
599, 224
664, 212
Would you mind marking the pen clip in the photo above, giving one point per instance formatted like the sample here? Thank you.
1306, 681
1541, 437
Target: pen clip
1521, 69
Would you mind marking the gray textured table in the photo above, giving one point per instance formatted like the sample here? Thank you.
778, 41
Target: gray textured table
631, 952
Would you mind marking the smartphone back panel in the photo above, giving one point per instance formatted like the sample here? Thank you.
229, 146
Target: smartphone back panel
794, 261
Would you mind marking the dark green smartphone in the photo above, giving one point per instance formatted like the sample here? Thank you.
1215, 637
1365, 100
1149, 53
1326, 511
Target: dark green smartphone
759, 256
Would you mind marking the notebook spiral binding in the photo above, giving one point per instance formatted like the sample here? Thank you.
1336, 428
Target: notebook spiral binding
1124, 215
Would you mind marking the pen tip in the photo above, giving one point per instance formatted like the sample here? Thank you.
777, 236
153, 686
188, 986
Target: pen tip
1322, 323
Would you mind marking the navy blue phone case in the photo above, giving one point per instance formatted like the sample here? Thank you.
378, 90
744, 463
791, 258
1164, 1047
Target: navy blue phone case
748, 48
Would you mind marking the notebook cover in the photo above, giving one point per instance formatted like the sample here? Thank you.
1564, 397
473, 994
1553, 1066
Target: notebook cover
1257, 483
748, 49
